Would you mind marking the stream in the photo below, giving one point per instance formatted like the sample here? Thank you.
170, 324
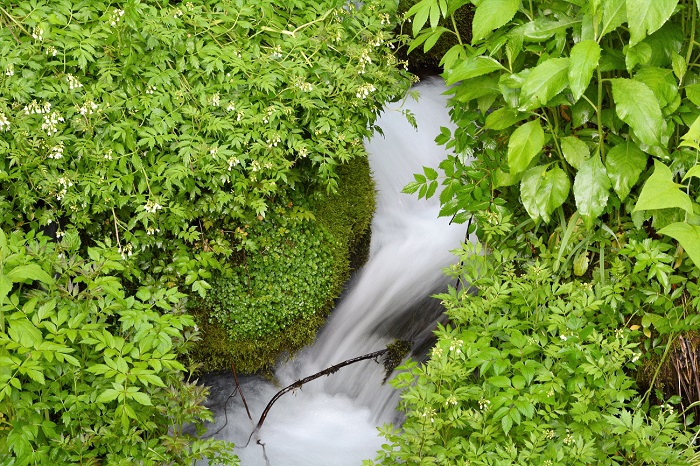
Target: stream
332, 421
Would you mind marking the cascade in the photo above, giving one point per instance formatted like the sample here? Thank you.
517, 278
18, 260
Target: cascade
332, 421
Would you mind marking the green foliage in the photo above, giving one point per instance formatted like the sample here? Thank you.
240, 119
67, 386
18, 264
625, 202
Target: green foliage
288, 278
156, 127
280, 294
575, 153
89, 374
534, 369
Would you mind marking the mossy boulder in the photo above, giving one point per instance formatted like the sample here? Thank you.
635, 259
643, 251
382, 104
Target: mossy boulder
279, 294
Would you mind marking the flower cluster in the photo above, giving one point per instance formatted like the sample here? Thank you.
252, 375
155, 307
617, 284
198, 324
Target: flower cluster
116, 16
38, 33
232, 162
50, 122
64, 184
10, 70
4, 122
215, 100
88, 108
35, 108
276, 52
73, 82
56, 152
364, 91
152, 207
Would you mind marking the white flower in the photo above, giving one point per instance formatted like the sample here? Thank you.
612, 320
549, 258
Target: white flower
232, 162
152, 207
38, 33
215, 100
50, 122
51, 50
364, 91
88, 108
4, 122
10, 70
116, 16
73, 82
56, 151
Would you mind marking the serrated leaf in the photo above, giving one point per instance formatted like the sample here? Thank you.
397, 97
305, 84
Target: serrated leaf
624, 163
575, 151
24, 332
29, 272
108, 395
544, 82
591, 190
430, 173
472, 67
662, 84
660, 192
688, 236
141, 398
492, 14
503, 118
583, 61
614, 14
524, 144
543, 190
637, 106
646, 16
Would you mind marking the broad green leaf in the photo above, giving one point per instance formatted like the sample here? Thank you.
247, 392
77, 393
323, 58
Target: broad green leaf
542, 29
500, 381
490, 15
545, 81
543, 190
591, 189
664, 86
477, 87
583, 61
637, 106
575, 151
694, 171
692, 137
688, 236
503, 118
660, 192
24, 332
108, 395
624, 163
29, 272
472, 67
141, 398
646, 16
614, 14
524, 144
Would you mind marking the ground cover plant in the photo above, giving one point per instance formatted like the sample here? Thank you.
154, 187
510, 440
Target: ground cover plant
154, 143
575, 160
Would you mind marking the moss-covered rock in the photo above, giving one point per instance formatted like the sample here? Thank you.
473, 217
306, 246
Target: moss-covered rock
279, 294
422, 63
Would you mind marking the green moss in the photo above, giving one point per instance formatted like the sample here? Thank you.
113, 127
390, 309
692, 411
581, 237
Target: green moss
420, 62
279, 294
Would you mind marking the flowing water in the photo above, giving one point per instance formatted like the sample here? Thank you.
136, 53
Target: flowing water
332, 421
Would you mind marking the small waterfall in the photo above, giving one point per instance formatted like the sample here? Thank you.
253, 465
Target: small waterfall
332, 421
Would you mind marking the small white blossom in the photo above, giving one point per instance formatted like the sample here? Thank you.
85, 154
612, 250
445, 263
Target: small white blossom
56, 151
231, 107
232, 162
215, 99
484, 404
305, 87
178, 13
108, 155
51, 50
4, 122
73, 82
303, 152
152, 207
126, 251
276, 52
273, 142
50, 122
10, 69
88, 108
38, 33
364, 91
116, 16
150, 231
150, 89
35, 108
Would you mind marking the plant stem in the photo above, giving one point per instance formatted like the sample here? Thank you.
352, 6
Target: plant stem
599, 110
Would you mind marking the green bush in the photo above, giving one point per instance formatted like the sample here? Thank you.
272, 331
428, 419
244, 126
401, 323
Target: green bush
157, 128
89, 374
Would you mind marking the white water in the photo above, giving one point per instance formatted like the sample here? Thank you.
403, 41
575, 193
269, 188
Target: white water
333, 421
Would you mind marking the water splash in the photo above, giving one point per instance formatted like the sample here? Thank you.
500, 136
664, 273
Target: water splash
333, 420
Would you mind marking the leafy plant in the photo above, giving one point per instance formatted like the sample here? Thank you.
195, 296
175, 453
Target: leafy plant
157, 128
89, 374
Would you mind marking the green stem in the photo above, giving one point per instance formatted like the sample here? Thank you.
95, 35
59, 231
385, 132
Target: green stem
691, 42
454, 25
598, 110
